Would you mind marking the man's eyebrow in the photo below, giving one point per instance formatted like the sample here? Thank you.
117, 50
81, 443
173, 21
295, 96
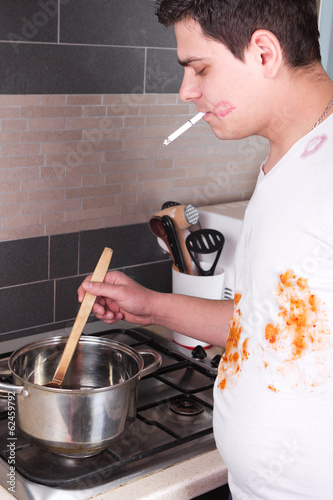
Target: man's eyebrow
190, 60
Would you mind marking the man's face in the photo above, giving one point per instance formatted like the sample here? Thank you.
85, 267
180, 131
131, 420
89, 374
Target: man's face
219, 84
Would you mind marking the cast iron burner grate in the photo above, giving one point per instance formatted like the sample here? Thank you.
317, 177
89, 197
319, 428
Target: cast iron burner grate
186, 406
174, 410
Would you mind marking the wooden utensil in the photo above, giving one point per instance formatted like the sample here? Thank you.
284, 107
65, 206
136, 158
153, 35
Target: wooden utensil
156, 227
80, 321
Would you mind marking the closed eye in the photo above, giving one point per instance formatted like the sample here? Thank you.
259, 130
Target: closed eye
200, 73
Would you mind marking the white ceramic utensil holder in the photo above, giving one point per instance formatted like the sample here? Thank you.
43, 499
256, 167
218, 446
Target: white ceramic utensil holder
207, 287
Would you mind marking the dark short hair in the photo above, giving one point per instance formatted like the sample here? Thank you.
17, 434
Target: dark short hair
233, 22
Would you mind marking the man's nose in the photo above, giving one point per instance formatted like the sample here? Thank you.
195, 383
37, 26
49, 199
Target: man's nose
189, 90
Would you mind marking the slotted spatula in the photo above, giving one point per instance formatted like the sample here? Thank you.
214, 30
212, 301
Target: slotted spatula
205, 241
80, 321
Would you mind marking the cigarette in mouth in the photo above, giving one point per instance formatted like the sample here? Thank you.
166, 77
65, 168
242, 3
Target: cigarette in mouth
183, 128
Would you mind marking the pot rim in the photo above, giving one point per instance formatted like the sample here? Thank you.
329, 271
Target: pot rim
85, 338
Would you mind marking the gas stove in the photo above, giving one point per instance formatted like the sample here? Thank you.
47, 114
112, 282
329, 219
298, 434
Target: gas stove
173, 424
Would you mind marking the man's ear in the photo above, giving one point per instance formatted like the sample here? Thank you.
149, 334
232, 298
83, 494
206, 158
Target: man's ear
267, 50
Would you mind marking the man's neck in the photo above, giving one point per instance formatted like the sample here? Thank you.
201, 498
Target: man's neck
297, 108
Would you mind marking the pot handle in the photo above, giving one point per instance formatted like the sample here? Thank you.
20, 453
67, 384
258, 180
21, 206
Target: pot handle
18, 389
152, 366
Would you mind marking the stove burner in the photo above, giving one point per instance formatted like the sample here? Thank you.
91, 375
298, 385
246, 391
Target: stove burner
186, 406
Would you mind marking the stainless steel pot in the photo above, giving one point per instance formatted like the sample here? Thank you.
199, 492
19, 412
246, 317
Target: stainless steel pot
97, 402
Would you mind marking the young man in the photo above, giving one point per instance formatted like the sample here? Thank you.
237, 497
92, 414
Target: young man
253, 66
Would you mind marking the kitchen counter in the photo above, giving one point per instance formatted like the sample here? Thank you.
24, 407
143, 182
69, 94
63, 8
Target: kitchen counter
181, 481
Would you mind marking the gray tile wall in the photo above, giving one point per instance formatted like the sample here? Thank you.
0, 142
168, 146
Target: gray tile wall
39, 276
85, 46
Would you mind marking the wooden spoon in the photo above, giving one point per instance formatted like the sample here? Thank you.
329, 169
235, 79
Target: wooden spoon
156, 227
80, 321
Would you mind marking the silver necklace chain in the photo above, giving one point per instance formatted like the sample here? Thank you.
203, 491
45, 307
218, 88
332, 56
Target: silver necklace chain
324, 114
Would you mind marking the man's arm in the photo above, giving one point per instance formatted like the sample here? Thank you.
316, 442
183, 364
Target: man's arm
120, 297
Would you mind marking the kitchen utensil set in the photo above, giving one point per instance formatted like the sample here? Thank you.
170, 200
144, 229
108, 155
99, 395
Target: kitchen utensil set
169, 225
181, 217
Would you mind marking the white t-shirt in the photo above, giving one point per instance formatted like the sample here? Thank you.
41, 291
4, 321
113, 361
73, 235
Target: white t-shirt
273, 414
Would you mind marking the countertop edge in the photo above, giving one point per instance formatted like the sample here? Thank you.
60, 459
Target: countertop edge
181, 481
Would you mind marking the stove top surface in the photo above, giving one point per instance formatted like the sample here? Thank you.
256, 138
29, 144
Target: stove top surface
173, 423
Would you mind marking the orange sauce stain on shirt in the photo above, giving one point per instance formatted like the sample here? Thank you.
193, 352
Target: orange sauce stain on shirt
245, 354
235, 353
298, 319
